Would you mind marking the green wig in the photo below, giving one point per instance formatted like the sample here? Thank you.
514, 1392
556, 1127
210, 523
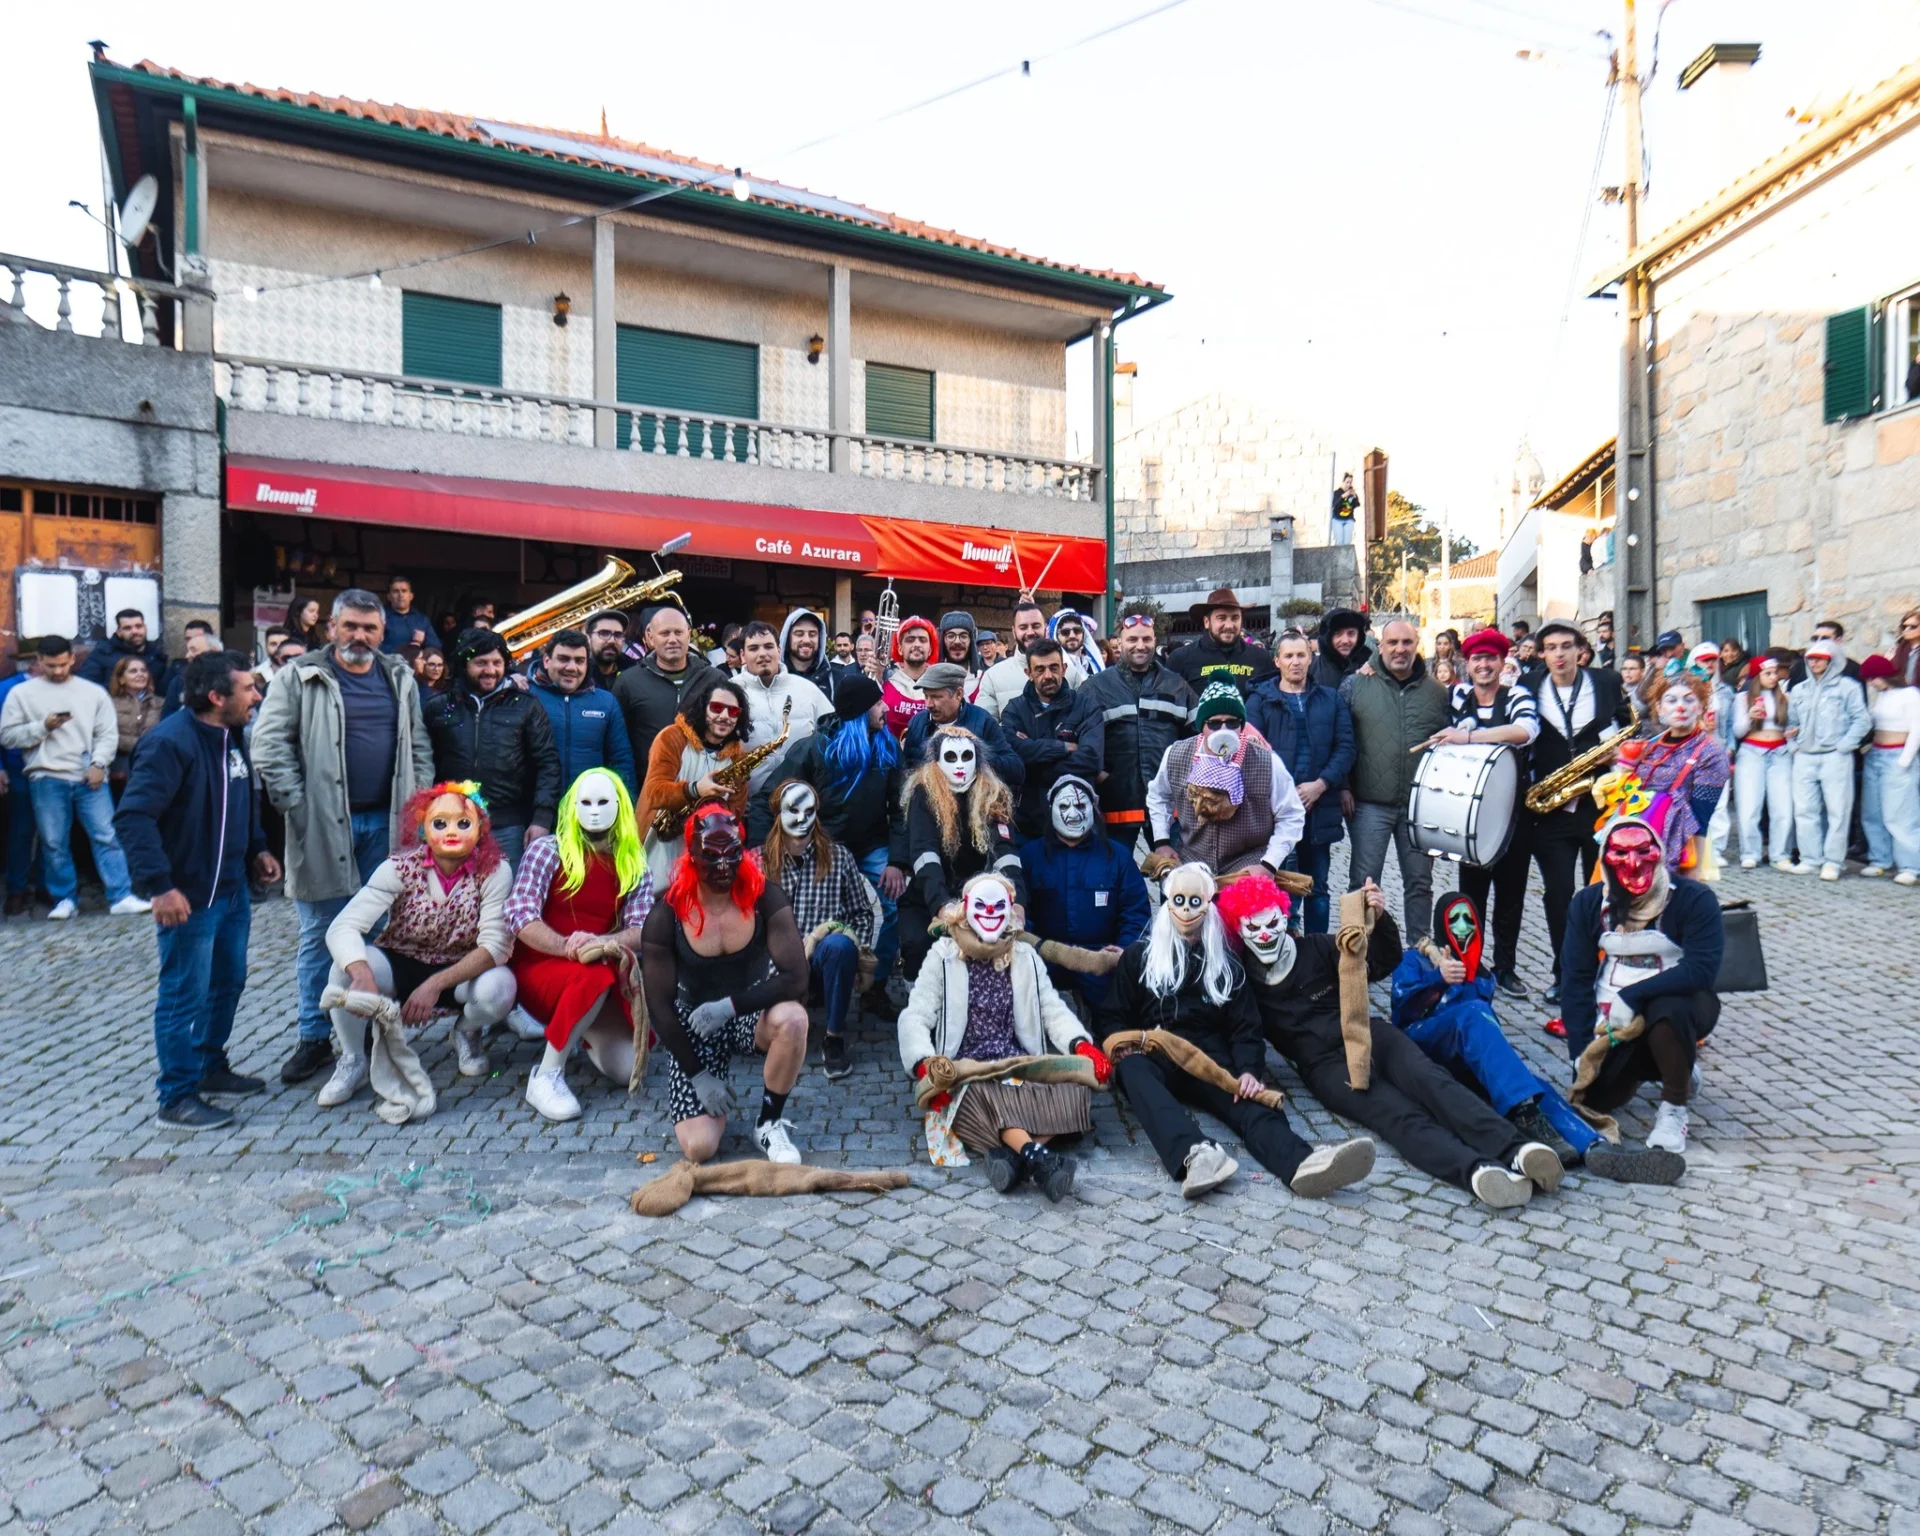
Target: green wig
629, 859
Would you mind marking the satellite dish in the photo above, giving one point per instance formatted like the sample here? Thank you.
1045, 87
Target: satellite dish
136, 213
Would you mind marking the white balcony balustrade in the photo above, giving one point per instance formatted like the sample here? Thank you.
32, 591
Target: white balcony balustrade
44, 293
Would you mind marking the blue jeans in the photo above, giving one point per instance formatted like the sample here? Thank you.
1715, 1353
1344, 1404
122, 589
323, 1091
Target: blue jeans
203, 970
513, 843
886, 947
1313, 859
23, 868
1890, 810
311, 961
836, 961
1468, 1042
55, 804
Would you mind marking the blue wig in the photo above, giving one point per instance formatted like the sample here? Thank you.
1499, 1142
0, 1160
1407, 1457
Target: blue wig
853, 751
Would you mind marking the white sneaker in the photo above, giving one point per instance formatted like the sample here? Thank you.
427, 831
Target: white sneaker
1906, 877
1537, 1163
349, 1077
1829, 871
1797, 867
1329, 1168
525, 1025
62, 910
473, 1055
1670, 1126
1749, 863
1207, 1168
547, 1091
1500, 1189
1871, 872
130, 906
1788, 867
776, 1140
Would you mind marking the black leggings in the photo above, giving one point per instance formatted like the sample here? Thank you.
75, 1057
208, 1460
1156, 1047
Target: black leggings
1507, 878
1158, 1092
1559, 841
1664, 1053
1416, 1106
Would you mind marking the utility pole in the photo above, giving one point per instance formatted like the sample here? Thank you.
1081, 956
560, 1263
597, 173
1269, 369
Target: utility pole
1446, 566
1635, 570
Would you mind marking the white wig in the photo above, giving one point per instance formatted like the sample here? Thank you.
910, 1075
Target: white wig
1165, 971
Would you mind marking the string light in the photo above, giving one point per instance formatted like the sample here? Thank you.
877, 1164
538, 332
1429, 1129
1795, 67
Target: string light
741, 191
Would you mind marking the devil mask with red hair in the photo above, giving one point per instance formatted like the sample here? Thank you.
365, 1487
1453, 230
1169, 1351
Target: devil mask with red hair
1255, 912
715, 859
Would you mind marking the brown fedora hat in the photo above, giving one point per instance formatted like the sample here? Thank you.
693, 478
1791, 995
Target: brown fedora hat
1219, 597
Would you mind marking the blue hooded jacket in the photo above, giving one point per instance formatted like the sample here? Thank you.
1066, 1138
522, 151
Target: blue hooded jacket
1090, 896
589, 731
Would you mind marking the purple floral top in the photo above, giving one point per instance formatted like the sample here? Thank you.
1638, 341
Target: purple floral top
989, 1035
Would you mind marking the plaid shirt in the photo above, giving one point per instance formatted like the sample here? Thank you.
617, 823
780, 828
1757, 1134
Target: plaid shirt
843, 897
534, 880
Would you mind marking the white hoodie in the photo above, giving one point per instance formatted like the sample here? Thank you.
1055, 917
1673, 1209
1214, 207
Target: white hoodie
767, 700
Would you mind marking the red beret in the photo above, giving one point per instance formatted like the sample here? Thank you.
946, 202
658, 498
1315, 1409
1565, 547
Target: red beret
1488, 639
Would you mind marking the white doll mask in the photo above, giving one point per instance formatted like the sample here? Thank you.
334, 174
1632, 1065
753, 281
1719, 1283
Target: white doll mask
799, 810
1189, 891
1267, 940
959, 763
596, 802
1072, 813
990, 909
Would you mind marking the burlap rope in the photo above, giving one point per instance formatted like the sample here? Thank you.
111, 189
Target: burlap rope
1188, 1057
1356, 1020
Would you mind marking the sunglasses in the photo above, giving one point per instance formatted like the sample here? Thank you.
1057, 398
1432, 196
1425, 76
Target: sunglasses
1222, 723
1137, 621
725, 711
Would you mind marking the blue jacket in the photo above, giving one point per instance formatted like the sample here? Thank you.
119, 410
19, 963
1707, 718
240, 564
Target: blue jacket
1089, 896
188, 820
12, 758
1691, 920
1328, 750
589, 731
1000, 754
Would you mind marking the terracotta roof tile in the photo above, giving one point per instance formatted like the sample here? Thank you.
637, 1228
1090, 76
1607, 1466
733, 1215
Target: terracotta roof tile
1474, 568
454, 125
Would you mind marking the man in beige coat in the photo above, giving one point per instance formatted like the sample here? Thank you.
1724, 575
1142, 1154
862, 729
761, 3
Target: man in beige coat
339, 746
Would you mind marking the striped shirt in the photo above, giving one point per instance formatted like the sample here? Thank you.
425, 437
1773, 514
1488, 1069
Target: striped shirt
533, 881
1520, 710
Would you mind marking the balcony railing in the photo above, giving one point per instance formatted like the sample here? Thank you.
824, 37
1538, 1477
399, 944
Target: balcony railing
419, 404
61, 285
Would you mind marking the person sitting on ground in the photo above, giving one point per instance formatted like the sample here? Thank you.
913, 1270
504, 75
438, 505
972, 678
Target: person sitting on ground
1181, 978
443, 900
1223, 797
983, 996
1443, 999
1366, 1070
958, 822
1083, 888
725, 971
837, 912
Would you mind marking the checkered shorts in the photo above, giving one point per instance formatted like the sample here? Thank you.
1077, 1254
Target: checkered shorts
714, 1052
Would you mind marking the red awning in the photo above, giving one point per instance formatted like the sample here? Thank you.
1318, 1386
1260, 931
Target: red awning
902, 548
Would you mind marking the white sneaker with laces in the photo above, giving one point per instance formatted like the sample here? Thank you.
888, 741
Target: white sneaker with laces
1670, 1127
1906, 877
473, 1055
349, 1077
130, 906
1749, 863
1787, 867
525, 1025
62, 910
1872, 871
1829, 871
547, 1089
1326, 1169
776, 1140
1207, 1168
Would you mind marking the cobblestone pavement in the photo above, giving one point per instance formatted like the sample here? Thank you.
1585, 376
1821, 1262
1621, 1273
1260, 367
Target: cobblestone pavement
492, 1341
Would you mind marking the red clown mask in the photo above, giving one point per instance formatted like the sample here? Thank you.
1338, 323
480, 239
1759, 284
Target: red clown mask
1632, 857
1457, 927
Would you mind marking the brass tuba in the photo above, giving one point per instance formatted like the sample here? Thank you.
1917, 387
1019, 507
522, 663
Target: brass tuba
665, 821
1568, 783
614, 587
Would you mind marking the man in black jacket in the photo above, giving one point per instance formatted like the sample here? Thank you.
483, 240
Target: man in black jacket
1223, 654
1054, 729
607, 646
649, 691
129, 638
489, 731
1343, 648
1146, 707
190, 827
1577, 706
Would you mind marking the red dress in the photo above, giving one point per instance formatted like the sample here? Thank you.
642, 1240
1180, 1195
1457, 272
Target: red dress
564, 991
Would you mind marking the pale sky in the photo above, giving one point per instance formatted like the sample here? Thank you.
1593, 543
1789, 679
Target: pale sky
1367, 210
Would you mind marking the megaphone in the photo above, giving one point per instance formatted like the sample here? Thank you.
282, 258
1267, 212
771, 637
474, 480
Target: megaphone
136, 213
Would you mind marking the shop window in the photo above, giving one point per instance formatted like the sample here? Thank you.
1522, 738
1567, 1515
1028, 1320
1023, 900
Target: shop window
12, 499
456, 339
899, 402
91, 506
698, 375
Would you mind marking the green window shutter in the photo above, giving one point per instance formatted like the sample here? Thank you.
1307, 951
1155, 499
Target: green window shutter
1852, 364
899, 402
678, 372
442, 338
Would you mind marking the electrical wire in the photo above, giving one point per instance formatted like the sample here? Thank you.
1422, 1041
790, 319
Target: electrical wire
1022, 67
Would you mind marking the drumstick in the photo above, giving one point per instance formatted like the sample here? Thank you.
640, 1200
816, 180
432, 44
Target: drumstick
1042, 579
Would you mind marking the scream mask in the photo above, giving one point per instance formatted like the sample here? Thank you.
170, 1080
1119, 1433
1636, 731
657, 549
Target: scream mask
596, 803
451, 829
1632, 856
1189, 890
1456, 929
989, 908
1265, 936
717, 849
799, 810
1071, 809
959, 761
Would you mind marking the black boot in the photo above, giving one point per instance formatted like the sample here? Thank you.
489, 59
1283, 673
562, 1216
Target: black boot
1005, 1168
1533, 1125
1052, 1173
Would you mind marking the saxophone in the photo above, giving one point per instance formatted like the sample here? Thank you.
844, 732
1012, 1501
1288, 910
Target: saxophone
665, 821
1568, 783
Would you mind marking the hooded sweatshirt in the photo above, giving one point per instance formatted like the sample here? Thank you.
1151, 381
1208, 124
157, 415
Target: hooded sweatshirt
1330, 668
820, 671
1829, 713
960, 619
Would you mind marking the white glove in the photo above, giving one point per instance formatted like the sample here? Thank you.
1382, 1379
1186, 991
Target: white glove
715, 1097
709, 1019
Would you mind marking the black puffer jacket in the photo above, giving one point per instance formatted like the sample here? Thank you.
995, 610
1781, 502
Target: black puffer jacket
1301, 1013
506, 743
650, 701
857, 816
1143, 714
1065, 736
935, 879
1330, 668
1229, 1032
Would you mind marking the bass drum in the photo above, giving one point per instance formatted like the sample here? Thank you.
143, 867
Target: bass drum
1465, 802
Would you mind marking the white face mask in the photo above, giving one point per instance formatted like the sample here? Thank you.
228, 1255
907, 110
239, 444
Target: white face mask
1189, 893
596, 803
1072, 813
959, 763
1223, 742
799, 810
1267, 940
990, 910
1679, 709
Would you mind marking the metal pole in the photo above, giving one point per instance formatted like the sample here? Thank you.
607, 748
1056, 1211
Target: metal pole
1635, 570
1446, 566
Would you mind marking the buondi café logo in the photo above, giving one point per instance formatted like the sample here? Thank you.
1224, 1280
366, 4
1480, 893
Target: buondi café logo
999, 556
303, 501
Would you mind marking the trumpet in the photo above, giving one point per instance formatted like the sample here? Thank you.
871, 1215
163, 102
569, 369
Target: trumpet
886, 624
1568, 783
614, 587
